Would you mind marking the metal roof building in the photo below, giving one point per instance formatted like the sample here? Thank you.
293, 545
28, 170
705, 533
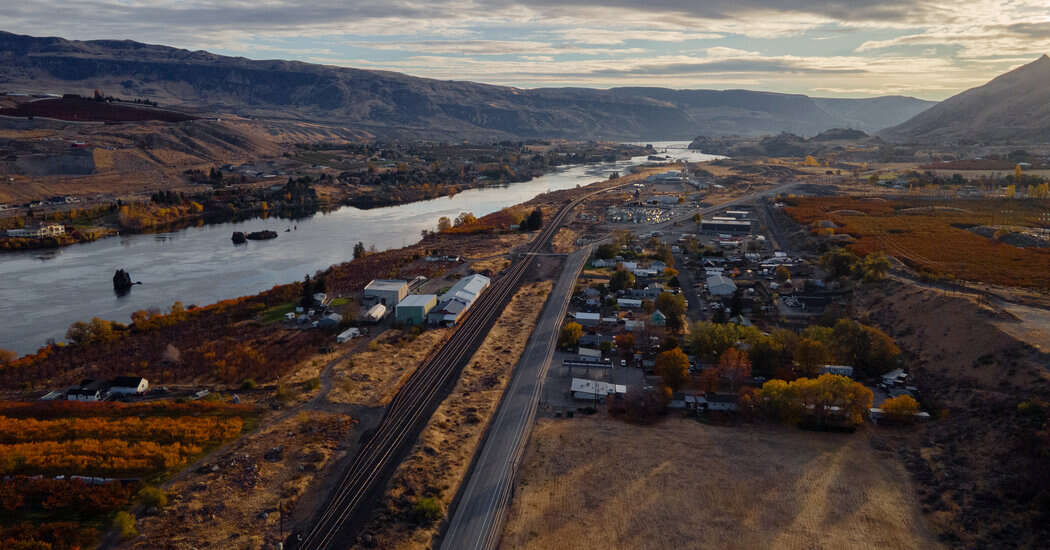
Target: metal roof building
385, 291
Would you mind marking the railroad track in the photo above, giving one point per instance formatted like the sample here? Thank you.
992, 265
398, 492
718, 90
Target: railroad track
415, 402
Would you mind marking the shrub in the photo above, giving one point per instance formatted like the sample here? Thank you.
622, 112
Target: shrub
427, 510
249, 384
313, 384
153, 497
124, 523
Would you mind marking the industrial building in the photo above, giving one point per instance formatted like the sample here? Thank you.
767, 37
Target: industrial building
413, 309
388, 292
726, 226
457, 300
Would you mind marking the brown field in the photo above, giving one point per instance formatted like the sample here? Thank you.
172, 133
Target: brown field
600, 483
934, 236
440, 458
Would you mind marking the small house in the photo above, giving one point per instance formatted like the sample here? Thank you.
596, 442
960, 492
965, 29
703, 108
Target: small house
658, 319
630, 303
587, 319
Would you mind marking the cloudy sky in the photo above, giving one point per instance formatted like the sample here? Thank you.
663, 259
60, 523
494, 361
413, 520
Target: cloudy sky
839, 48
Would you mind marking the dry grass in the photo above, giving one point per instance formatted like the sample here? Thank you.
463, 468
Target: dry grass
372, 377
564, 240
221, 504
440, 458
495, 265
600, 483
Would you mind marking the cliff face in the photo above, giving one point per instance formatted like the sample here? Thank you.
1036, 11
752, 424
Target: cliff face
396, 105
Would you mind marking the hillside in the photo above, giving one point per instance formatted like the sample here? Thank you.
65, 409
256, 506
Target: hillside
390, 104
1012, 108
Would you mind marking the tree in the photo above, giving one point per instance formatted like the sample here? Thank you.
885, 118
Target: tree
819, 397
607, 251
464, 218
901, 408
624, 342
621, 280
444, 224
427, 510
359, 248
838, 262
124, 523
570, 334
810, 356
6, 356
734, 366
866, 348
673, 306
534, 221
153, 497
782, 273
875, 267
673, 368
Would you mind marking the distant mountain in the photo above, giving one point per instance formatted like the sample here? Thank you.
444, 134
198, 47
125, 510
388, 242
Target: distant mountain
1012, 108
390, 104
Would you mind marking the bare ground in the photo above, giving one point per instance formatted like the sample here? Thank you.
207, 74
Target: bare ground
601, 483
372, 377
440, 459
231, 500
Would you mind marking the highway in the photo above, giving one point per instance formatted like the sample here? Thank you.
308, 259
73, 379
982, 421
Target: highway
478, 517
365, 478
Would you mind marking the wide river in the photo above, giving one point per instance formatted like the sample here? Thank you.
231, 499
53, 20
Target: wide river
43, 292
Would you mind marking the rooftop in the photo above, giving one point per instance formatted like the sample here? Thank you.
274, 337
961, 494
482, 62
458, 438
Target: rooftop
386, 284
417, 300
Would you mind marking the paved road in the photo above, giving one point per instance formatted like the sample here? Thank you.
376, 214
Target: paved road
478, 518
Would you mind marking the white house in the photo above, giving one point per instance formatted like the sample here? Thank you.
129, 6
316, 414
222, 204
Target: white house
720, 285
587, 319
629, 303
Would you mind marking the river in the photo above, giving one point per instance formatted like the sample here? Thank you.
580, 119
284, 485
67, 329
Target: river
43, 292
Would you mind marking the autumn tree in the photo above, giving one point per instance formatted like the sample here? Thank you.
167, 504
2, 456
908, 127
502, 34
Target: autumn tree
734, 366
570, 334
782, 273
465, 218
673, 368
866, 348
624, 342
6, 356
901, 408
444, 224
673, 306
810, 355
875, 267
838, 262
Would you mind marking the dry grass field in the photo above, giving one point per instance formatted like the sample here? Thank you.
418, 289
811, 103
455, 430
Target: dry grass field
372, 377
600, 483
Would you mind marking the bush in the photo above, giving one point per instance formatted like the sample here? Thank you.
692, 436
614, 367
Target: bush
124, 523
248, 384
153, 497
313, 384
427, 510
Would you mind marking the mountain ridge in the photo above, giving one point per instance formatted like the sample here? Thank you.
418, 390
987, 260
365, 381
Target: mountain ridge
391, 104
1012, 107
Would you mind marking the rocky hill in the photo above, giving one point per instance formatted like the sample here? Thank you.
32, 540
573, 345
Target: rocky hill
396, 105
1012, 108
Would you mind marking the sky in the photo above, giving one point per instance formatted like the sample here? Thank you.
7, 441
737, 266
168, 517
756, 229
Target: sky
831, 48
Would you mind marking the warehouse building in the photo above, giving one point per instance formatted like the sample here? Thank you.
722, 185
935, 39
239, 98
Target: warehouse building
388, 292
726, 226
457, 300
413, 309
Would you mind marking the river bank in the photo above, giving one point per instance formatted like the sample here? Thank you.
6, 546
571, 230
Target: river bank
46, 291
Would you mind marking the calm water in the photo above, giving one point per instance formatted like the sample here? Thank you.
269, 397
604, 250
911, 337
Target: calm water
42, 293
